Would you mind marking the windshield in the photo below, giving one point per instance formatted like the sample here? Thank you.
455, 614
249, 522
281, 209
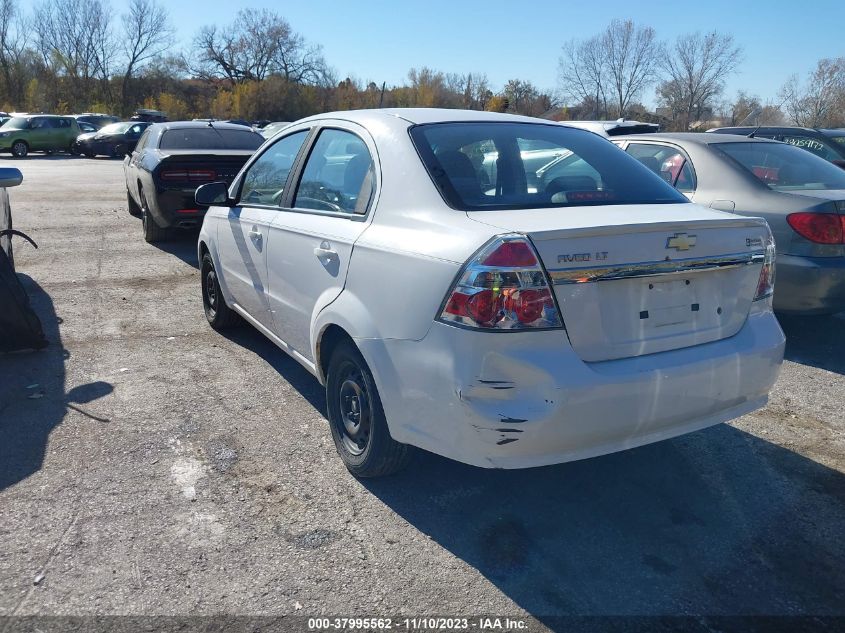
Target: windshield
479, 166
210, 138
116, 128
17, 122
784, 167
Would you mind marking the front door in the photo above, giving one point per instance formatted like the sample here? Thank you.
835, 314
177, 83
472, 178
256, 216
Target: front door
312, 238
244, 239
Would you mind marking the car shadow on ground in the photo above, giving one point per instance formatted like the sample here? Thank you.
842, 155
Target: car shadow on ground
183, 245
718, 522
815, 340
33, 396
292, 372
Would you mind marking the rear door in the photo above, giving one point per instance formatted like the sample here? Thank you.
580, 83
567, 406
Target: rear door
244, 238
669, 162
312, 237
39, 133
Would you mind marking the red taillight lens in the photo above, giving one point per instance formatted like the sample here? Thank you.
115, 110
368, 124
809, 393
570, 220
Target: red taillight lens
188, 175
821, 228
201, 174
503, 288
511, 254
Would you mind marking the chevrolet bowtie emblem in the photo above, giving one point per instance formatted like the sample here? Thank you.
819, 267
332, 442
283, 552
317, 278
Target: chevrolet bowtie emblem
681, 241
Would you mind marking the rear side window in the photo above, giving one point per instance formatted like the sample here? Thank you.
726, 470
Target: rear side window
265, 180
478, 166
339, 175
209, 138
783, 167
668, 162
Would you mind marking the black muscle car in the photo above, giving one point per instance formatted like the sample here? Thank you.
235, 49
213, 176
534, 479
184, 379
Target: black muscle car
171, 160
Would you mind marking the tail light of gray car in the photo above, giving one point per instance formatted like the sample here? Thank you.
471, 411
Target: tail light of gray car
503, 287
821, 228
766, 282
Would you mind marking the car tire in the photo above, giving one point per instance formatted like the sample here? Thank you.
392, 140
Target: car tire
90, 154
219, 315
20, 149
152, 231
134, 209
357, 420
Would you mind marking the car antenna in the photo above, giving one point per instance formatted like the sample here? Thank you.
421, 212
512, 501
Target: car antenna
754, 132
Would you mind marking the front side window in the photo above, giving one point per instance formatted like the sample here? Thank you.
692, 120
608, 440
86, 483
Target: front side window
500, 165
209, 138
817, 147
666, 161
339, 175
40, 123
264, 181
783, 167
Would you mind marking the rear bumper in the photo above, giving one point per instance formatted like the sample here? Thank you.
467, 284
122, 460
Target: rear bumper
516, 400
177, 208
810, 285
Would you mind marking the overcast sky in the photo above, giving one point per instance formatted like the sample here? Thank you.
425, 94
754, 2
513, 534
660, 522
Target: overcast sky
380, 40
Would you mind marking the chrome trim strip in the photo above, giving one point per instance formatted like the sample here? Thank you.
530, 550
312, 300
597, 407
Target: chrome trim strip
651, 269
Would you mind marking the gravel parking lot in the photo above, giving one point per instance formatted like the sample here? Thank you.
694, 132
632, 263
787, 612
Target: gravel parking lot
149, 465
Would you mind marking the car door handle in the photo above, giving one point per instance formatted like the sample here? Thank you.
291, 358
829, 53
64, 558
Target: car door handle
255, 235
325, 250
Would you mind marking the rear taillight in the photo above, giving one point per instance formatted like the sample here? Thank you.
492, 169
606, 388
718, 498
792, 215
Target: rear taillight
766, 282
503, 287
821, 228
189, 175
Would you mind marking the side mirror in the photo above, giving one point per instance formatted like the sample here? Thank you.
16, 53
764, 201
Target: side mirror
213, 194
10, 177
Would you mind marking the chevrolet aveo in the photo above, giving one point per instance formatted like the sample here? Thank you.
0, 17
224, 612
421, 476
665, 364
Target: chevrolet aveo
496, 289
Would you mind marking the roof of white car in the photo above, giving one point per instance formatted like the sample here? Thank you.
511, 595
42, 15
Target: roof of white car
422, 115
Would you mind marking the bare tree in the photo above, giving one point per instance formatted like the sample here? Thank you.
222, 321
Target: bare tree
631, 54
821, 100
695, 69
146, 34
582, 73
13, 50
74, 39
259, 43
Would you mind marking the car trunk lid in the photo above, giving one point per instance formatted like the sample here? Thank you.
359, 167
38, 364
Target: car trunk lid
641, 279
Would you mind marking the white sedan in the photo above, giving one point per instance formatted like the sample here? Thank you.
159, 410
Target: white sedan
501, 290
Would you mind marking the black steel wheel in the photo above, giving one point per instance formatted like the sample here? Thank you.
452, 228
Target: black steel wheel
358, 424
219, 315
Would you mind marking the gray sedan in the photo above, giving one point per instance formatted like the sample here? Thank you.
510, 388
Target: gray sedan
800, 195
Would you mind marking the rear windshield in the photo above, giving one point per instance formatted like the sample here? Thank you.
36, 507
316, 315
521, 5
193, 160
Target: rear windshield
209, 138
479, 166
784, 167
